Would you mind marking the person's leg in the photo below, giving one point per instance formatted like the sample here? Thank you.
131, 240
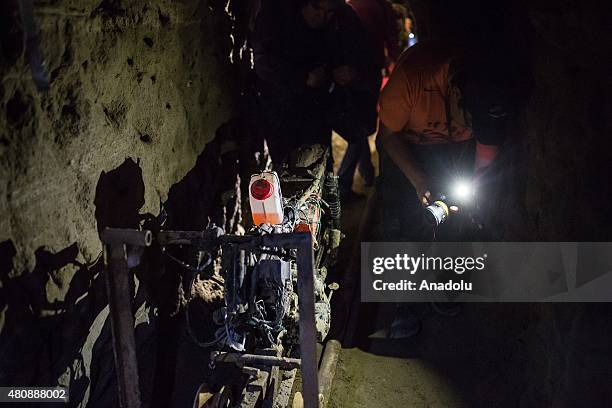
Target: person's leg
355, 123
403, 216
352, 156
403, 221
366, 168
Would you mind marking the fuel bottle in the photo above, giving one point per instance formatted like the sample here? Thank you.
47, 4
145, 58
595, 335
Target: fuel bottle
265, 198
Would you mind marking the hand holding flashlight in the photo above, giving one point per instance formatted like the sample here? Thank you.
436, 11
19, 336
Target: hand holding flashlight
461, 194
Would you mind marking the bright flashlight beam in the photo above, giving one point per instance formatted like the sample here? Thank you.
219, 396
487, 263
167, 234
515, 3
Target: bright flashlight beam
463, 191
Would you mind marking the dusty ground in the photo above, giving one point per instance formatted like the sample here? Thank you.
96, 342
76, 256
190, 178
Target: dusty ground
437, 368
364, 379
367, 380
490, 355
463, 361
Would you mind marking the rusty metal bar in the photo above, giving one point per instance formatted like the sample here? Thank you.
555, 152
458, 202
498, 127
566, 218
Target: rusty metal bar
120, 305
308, 334
180, 237
121, 236
254, 359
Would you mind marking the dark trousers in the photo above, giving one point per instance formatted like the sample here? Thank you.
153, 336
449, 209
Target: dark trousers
355, 122
357, 154
402, 215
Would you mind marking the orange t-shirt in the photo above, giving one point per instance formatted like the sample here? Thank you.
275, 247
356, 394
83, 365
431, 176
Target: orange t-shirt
414, 100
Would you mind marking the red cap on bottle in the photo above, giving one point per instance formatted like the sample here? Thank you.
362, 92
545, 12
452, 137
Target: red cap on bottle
261, 189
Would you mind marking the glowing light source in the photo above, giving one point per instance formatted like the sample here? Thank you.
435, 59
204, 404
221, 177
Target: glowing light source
463, 191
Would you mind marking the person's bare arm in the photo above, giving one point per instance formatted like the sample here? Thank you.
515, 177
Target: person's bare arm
399, 151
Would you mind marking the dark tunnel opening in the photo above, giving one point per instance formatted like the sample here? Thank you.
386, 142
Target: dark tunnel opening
155, 115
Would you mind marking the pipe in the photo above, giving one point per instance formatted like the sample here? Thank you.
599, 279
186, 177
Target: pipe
121, 236
308, 335
122, 326
118, 283
255, 359
327, 370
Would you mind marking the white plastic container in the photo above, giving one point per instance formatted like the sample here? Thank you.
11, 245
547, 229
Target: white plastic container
265, 198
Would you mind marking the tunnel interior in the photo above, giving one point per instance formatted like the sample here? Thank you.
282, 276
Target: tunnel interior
148, 120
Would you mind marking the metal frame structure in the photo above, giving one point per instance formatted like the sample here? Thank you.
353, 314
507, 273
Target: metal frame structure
121, 309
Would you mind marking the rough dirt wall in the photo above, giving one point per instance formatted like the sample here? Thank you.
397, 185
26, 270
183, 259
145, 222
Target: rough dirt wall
566, 136
138, 89
569, 121
145, 80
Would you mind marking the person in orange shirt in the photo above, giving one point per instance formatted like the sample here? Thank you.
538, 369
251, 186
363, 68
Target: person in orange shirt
441, 119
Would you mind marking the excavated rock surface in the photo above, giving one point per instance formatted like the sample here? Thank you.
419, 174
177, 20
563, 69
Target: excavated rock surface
139, 80
137, 90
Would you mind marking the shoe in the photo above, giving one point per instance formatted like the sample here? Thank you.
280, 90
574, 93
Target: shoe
400, 328
403, 328
446, 308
